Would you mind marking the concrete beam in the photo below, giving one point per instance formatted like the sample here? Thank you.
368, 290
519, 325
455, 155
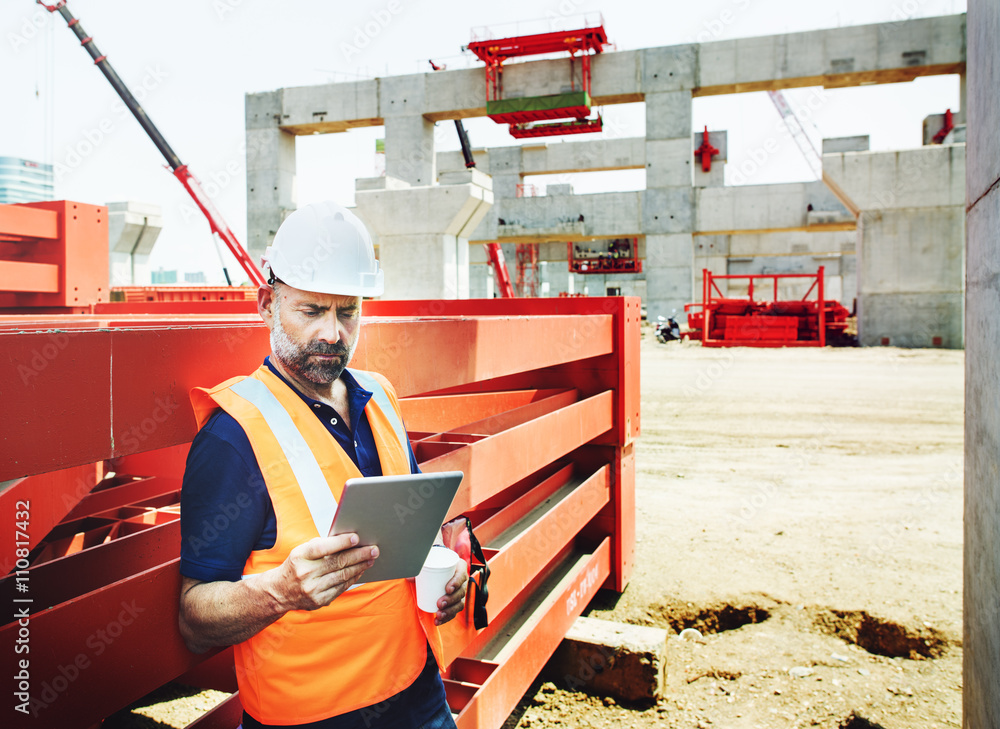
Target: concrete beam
911, 178
628, 662
882, 53
766, 208
879, 53
540, 219
597, 155
422, 233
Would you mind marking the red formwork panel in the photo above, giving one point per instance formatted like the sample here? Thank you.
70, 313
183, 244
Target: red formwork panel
536, 400
66, 245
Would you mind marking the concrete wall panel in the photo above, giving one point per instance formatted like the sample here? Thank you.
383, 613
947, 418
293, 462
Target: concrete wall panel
913, 251
910, 320
981, 626
983, 100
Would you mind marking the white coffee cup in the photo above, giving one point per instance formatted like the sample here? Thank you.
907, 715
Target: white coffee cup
438, 569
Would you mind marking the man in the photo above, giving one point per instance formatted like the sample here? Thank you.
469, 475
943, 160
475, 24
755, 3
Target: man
258, 571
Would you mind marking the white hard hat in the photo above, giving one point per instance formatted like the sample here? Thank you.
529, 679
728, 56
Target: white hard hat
326, 249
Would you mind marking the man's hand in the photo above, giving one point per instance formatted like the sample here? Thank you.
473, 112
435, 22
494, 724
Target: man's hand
314, 574
453, 601
317, 572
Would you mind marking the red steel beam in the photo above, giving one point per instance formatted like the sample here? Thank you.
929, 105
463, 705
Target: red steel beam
23, 277
443, 413
571, 357
67, 578
226, 715
527, 554
92, 655
128, 414
504, 518
492, 464
40, 503
19, 221
124, 494
529, 650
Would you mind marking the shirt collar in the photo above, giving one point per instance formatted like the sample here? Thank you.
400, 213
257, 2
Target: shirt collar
356, 394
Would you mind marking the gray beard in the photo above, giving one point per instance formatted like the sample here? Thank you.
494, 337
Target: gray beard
296, 358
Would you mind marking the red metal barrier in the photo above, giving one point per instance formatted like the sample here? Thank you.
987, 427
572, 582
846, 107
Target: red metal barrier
536, 400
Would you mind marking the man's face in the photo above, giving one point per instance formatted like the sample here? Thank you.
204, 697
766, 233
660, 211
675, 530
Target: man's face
313, 336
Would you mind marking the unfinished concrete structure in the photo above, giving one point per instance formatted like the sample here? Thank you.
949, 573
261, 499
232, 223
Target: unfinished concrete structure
133, 228
981, 626
684, 220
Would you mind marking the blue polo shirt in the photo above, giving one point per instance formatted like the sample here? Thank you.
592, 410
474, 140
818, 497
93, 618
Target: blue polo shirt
226, 511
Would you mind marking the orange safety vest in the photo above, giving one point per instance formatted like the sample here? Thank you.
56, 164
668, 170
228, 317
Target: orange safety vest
367, 645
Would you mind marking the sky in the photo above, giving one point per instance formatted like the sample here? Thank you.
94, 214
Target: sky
191, 62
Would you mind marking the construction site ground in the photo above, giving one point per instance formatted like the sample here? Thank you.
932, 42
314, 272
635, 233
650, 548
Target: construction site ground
802, 510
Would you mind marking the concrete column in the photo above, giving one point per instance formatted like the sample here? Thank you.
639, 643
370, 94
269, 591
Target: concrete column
270, 170
981, 645
668, 202
133, 228
423, 232
409, 149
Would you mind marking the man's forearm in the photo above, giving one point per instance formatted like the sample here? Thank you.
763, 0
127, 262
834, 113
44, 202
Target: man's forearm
225, 613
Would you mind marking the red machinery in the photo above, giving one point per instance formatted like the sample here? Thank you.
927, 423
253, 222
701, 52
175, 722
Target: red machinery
617, 255
720, 321
949, 124
571, 107
705, 152
100, 424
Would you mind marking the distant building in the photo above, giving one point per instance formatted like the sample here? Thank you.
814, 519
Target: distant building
194, 277
22, 181
163, 277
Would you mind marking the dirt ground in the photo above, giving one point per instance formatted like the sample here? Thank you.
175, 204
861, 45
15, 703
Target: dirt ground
802, 510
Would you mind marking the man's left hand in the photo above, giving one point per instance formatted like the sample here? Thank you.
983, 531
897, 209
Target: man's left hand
454, 598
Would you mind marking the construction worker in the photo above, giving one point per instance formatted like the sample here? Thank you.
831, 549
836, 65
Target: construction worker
257, 574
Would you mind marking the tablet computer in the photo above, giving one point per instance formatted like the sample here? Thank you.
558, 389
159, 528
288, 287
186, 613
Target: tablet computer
401, 514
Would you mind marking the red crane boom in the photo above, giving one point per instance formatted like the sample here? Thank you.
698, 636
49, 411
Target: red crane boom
180, 170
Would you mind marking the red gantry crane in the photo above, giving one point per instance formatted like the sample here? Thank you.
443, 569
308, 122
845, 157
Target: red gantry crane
570, 108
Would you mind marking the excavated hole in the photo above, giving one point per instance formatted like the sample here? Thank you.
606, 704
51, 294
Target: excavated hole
880, 636
854, 721
710, 619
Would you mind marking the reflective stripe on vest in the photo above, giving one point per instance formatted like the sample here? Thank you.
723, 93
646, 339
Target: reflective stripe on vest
322, 505
382, 400
315, 490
